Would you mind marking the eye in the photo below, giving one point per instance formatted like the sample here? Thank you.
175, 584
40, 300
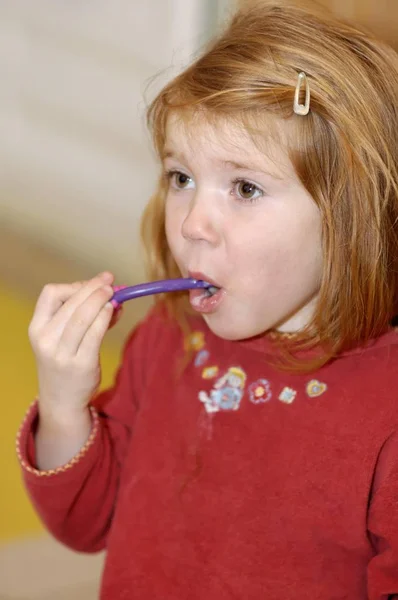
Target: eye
179, 180
247, 191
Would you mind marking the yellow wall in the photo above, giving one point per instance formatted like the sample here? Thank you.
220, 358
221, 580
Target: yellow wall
18, 388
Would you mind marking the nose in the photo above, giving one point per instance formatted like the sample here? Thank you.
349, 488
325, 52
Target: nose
200, 223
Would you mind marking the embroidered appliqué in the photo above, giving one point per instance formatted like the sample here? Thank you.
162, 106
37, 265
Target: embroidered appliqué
227, 392
210, 372
201, 358
315, 388
287, 395
195, 341
260, 391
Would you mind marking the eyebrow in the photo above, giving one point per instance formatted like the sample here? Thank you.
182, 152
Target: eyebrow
225, 163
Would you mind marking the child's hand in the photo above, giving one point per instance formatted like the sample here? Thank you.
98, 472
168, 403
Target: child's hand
66, 332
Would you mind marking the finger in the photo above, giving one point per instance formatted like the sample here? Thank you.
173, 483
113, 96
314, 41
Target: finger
53, 296
56, 326
117, 313
91, 343
81, 320
51, 299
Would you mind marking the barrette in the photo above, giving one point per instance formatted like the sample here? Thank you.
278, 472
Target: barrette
302, 109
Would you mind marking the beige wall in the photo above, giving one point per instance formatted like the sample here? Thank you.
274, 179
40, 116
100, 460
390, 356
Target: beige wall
380, 16
76, 165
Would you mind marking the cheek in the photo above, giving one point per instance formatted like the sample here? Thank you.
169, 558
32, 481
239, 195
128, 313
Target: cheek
174, 219
168, 224
171, 222
280, 255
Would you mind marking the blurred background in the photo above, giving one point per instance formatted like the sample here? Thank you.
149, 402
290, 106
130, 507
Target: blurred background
76, 170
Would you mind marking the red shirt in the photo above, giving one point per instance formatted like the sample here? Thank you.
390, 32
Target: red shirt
231, 479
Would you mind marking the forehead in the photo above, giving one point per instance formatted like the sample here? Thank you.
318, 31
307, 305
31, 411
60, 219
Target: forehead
222, 140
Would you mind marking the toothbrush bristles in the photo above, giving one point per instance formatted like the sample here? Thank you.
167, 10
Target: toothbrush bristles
211, 290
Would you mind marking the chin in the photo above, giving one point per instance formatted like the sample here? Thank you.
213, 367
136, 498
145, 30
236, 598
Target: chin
228, 330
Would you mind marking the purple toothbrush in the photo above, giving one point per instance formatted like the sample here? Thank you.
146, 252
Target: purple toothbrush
123, 293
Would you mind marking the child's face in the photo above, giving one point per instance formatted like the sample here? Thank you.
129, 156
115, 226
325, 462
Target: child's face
253, 230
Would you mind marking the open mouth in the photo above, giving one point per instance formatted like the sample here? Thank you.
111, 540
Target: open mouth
206, 300
210, 291
212, 284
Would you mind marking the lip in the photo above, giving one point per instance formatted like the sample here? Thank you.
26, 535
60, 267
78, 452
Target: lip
203, 277
199, 302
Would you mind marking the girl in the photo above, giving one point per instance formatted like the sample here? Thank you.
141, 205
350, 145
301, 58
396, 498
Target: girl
249, 446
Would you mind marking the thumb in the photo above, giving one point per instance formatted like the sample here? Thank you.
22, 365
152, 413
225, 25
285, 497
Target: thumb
117, 313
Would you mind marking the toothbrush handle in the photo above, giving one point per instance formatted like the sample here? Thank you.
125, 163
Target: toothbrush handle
124, 293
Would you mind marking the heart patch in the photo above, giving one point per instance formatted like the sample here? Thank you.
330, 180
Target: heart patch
316, 388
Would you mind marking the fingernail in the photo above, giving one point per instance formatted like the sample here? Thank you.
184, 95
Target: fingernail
106, 276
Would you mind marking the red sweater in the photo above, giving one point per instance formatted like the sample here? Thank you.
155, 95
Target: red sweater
233, 480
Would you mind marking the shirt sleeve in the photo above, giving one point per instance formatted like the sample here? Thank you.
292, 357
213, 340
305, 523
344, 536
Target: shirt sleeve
383, 524
76, 501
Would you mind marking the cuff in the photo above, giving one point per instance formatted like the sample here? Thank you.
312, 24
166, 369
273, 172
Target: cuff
25, 443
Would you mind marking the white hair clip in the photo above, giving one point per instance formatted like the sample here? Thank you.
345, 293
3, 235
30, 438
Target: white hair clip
302, 109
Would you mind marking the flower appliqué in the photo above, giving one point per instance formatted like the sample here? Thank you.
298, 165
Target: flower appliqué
227, 392
195, 341
260, 391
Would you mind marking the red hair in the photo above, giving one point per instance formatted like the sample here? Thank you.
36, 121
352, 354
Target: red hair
345, 151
